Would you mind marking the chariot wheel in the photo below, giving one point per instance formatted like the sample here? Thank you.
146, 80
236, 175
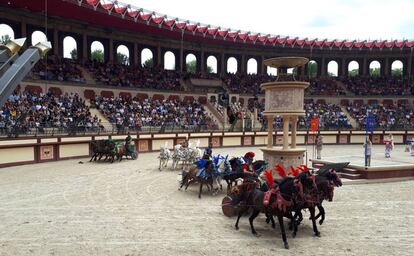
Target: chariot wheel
228, 209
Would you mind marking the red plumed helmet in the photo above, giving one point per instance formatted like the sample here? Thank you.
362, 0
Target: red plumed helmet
249, 155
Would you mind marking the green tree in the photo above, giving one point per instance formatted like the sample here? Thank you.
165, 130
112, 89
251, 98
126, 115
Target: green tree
397, 72
122, 58
149, 63
312, 69
209, 69
354, 72
375, 71
192, 66
74, 54
98, 55
5, 39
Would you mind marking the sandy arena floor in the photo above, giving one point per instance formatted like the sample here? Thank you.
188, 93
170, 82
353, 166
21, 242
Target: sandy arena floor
130, 208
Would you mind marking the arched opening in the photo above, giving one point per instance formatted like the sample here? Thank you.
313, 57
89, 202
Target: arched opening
231, 65
147, 58
312, 68
397, 68
6, 33
375, 68
191, 63
122, 55
97, 51
212, 64
353, 68
271, 71
70, 48
38, 36
333, 68
252, 66
169, 61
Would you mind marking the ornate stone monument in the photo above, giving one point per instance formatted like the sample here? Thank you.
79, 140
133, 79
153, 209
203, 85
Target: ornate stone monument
285, 98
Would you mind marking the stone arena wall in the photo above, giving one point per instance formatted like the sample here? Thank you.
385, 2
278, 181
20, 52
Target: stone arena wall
20, 151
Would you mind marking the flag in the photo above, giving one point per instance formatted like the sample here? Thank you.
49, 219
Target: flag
370, 123
314, 124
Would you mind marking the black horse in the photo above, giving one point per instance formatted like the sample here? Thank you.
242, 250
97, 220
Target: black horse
237, 172
102, 148
281, 202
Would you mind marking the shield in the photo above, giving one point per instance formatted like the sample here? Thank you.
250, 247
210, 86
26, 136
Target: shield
337, 166
228, 209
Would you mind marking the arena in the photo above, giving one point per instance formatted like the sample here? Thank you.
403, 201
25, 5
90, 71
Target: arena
97, 95
131, 208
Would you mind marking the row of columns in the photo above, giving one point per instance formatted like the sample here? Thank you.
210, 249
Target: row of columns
221, 57
286, 122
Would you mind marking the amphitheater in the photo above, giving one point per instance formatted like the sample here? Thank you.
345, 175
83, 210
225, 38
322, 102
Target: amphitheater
178, 80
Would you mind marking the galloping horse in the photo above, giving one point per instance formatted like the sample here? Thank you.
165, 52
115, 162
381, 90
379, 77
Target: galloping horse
193, 176
164, 157
279, 202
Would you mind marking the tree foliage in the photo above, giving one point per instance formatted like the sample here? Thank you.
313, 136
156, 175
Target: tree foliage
74, 54
122, 58
312, 69
5, 39
397, 72
192, 66
98, 55
148, 63
354, 72
375, 71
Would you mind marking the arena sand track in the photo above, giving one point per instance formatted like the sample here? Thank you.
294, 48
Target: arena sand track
130, 208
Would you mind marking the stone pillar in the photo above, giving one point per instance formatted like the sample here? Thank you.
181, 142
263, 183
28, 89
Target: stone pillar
285, 132
23, 29
181, 56
409, 63
387, 68
323, 67
84, 48
243, 68
269, 131
222, 69
262, 65
137, 57
111, 50
294, 120
343, 68
203, 62
56, 42
159, 56
365, 69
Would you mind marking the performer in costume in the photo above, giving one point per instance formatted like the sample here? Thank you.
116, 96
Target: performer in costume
389, 145
208, 151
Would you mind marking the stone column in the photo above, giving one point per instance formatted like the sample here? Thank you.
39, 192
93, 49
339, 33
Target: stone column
136, 55
243, 66
387, 68
323, 67
111, 50
159, 56
181, 56
202, 61
84, 47
23, 29
409, 64
294, 120
56, 42
365, 68
222, 69
344, 68
285, 132
269, 131
262, 66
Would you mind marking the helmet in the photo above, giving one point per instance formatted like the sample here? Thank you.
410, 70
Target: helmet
249, 155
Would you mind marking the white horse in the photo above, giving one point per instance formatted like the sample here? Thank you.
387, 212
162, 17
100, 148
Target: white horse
164, 156
180, 154
222, 166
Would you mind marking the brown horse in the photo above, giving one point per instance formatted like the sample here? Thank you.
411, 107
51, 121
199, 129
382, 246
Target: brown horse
281, 202
190, 177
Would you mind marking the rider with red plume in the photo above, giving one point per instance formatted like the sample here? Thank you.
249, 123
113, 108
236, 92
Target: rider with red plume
248, 161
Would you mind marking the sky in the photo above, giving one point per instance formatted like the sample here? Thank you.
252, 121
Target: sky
332, 19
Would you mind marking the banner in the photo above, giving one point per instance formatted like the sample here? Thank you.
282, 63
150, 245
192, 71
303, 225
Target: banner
314, 124
370, 123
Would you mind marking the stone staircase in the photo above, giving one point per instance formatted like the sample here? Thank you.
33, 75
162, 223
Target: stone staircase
88, 77
346, 173
106, 124
211, 110
352, 120
343, 86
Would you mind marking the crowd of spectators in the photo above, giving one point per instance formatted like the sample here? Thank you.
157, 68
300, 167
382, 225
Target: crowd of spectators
324, 86
246, 83
26, 112
58, 69
394, 116
135, 76
135, 114
371, 85
331, 117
